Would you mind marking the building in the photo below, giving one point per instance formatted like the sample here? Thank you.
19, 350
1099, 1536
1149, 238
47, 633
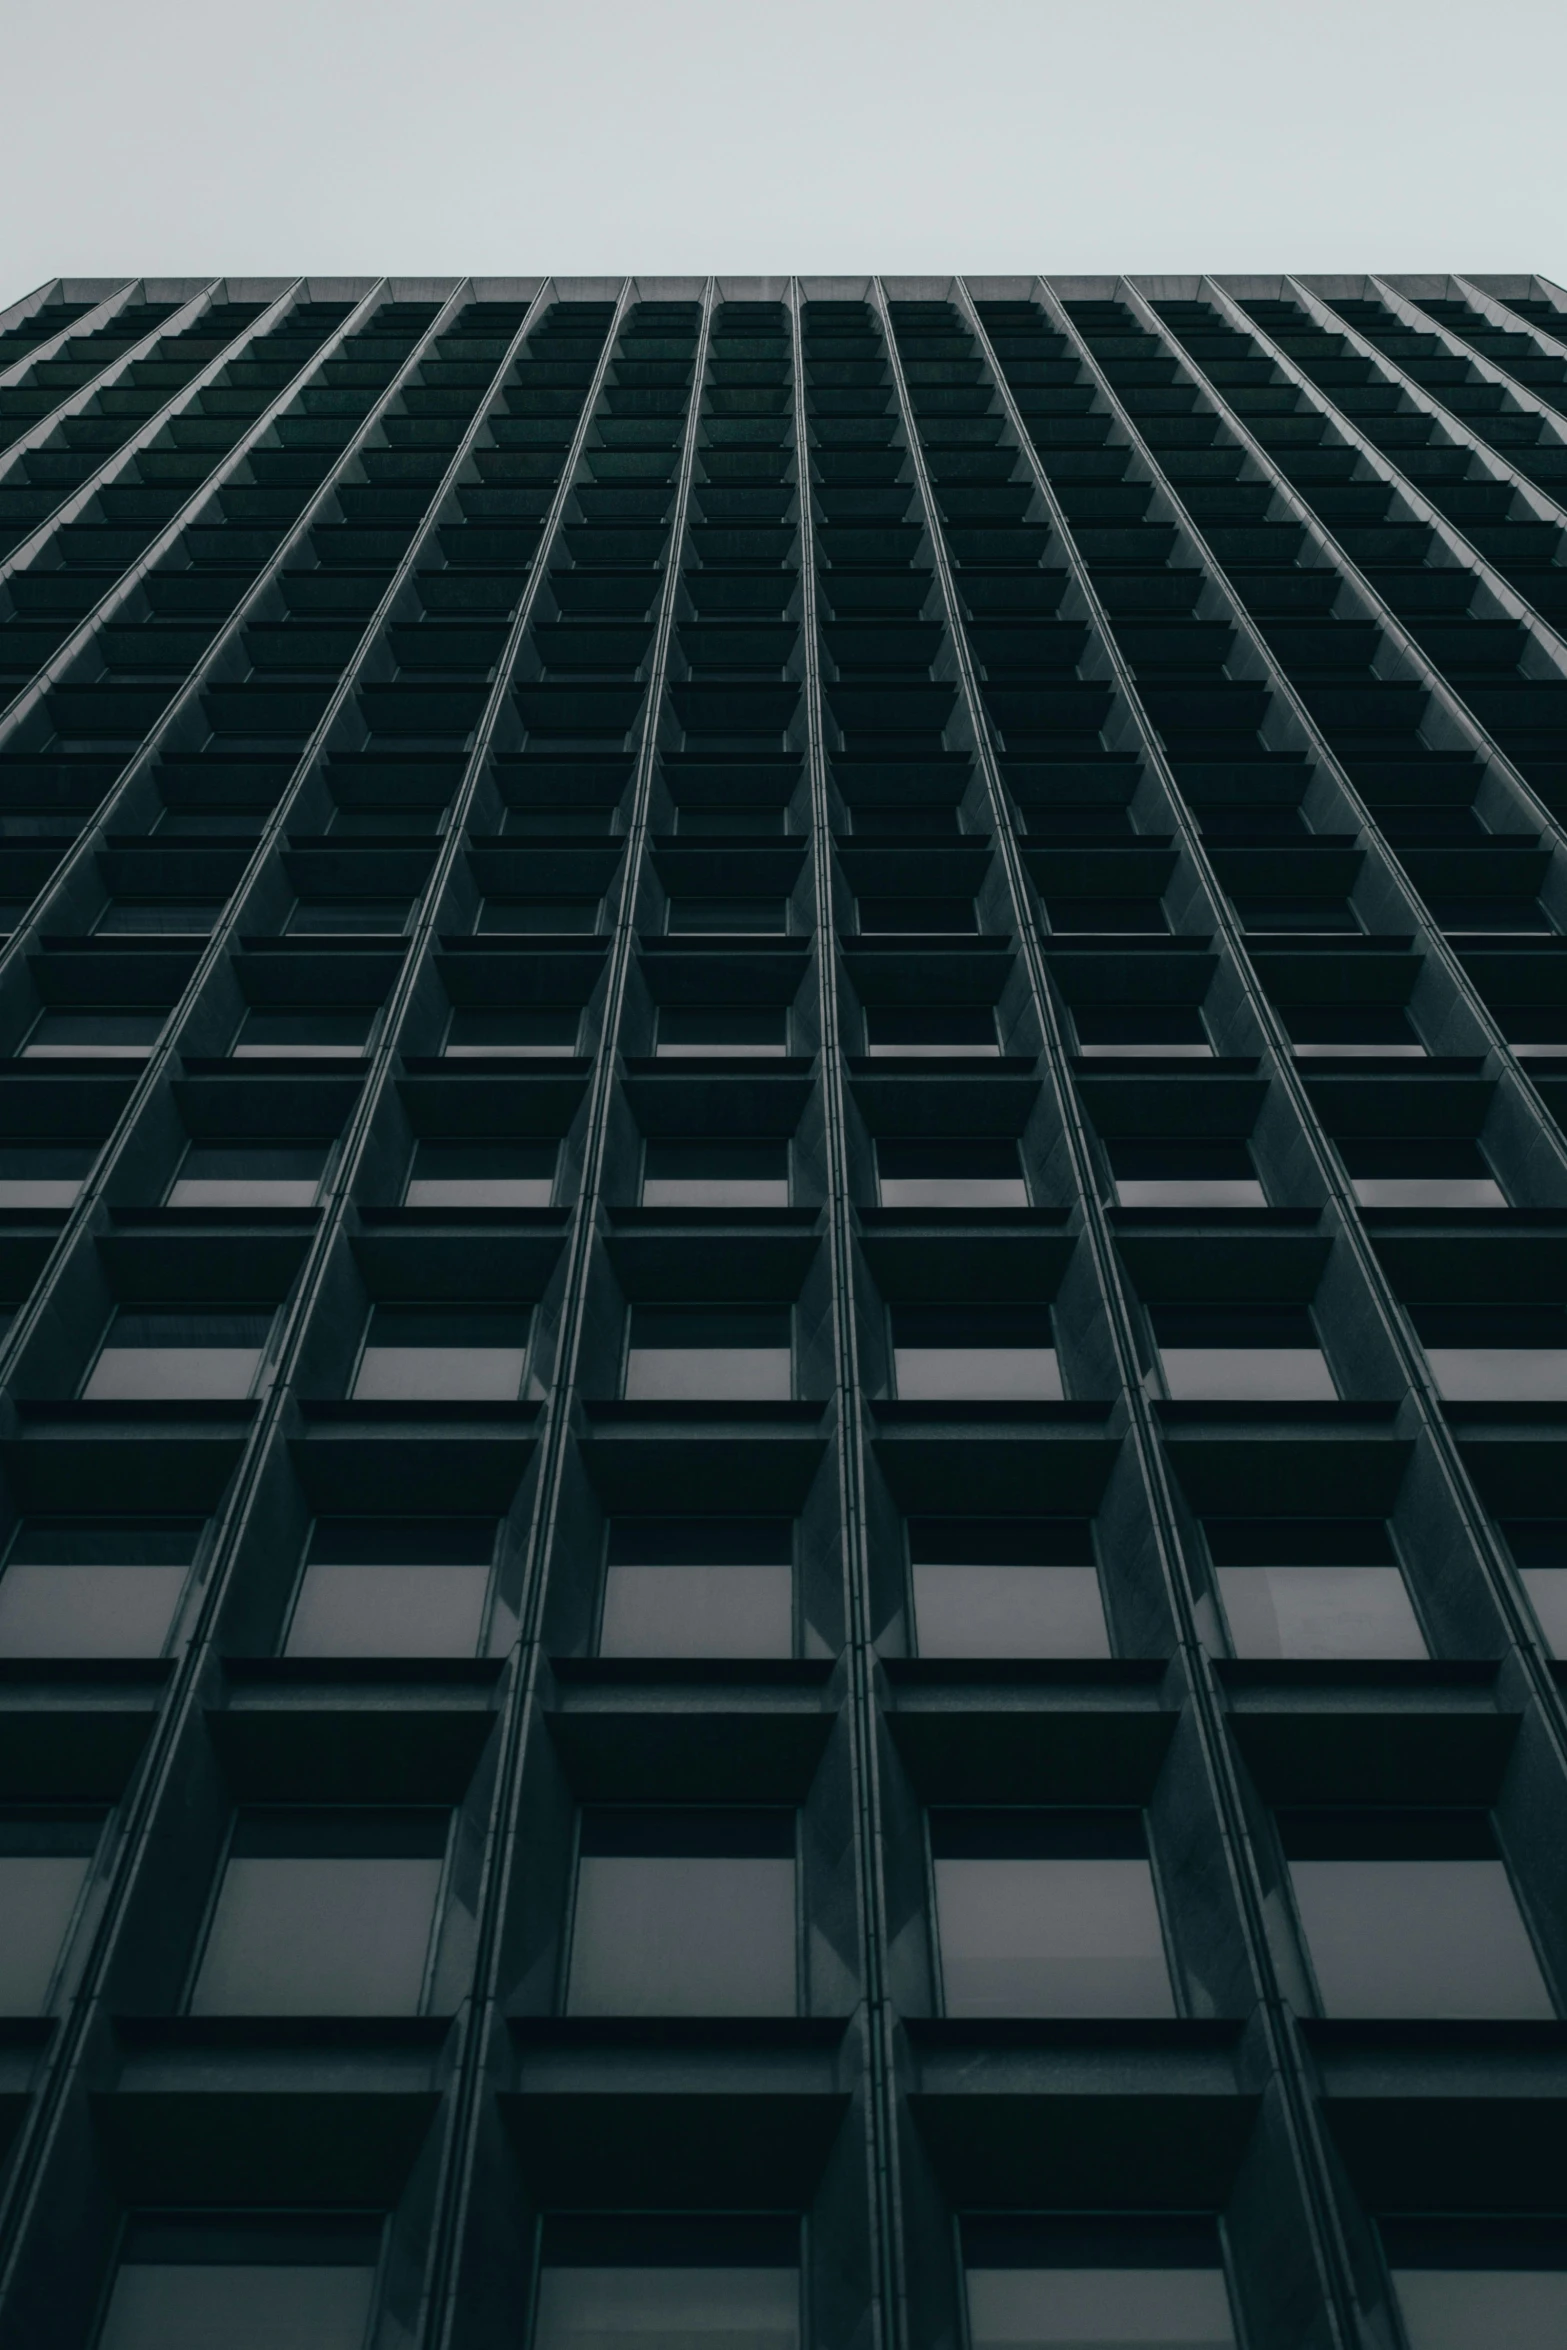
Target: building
785, 1535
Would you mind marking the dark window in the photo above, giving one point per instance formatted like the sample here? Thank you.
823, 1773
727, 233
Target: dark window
1172, 1174
392, 1587
715, 1172
1123, 1031
740, 1353
684, 1913
1473, 2284
1312, 1587
631, 2283
1147, 2282
1006, 1587
1496, 1350
931, 1030
45, 1855
1047, 1913
43, 1174
1105, 914
755, 1030
248, 1174
977, 1354
482, 1175
769, 915
913, 914
94, 1035
323, 1036
1330, 1031
546, 1028
699, 1587
1539, 1548
1410, 1913
452, 1354
180, 1353
323, 1912
1420, 1174
252, 2281
94, 1586
1256, 1352
949, 1173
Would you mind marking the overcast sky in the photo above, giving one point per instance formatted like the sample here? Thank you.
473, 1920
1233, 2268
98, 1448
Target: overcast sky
498, 136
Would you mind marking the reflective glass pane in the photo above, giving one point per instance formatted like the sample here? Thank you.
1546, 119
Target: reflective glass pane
1319, 1611
1395, 1937
388, 1611
668, 2308
318, 1935
248, 2306
1050, 1937
683, 1934
1098, 2309
1482, 2309
38, 1893
1008, 1611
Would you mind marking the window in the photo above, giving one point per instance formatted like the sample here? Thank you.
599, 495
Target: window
1312, 1587
180, 1354
249, 1175
949, 1174
251, 2281
684, 1913
43, 1174
443, 1354
1422, 1174
739, 1353
392, 1587
551, 1029
1047, 1912
549, 916
1474, 2284
323, 1912
1295, 913
1334, 1032
1410, 1913
315, 1036
729, 823
1536, 1032
646, 2283
1127, 1031
1539, 1548
1453, 911
1142, 2282
1247, 1352
158, 917
888, 819
711, 1171
94, 1586
482, 1175
767, 915
975, 1354
45, 1855
699, 1587
94, 1035
342, 917
917, 914
931, 1031
755, 1031
1006, 1587
1158, 1174
1100, 914
1496, 1350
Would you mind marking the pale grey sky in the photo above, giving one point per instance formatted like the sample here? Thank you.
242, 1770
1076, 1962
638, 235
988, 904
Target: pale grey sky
275, 136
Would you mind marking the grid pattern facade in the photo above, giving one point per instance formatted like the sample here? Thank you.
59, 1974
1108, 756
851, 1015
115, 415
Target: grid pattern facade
783, 1199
